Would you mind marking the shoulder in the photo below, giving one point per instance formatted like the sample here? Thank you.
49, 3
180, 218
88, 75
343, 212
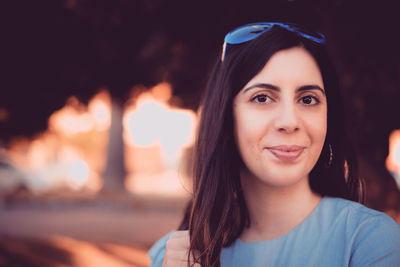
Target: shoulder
357, 217
353, 211
374, 236
157, 251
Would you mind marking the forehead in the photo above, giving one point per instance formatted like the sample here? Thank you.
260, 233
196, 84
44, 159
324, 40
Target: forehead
290, 67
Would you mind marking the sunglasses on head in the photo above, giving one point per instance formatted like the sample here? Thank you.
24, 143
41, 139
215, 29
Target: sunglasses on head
251, 31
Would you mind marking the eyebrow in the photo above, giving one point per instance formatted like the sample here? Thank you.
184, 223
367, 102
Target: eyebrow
276, 88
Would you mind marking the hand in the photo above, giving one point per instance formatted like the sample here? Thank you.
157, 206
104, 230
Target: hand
177, 248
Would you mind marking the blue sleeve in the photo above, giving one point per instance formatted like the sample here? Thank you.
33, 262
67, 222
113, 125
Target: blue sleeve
157, 251
377, 243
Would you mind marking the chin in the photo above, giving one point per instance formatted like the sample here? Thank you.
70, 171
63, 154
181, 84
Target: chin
283, 176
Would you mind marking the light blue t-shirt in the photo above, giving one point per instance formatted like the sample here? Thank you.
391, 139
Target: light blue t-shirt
338, 232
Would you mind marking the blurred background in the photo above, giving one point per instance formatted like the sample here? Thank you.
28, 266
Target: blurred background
98, 110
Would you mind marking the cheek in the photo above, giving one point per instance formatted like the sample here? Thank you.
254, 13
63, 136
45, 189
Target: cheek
242, 132
250, 128
317, 129
323, 126
243, 125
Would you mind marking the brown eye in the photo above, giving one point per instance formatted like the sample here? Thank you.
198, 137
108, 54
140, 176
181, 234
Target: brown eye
309, 100
261, 99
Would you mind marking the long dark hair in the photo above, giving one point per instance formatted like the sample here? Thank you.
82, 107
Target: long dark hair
217, 213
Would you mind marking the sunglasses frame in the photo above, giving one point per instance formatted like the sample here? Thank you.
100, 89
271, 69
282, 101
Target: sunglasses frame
262, 27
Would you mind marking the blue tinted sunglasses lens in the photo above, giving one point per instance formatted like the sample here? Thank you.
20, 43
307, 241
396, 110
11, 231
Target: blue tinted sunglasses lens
246, 33
315, 36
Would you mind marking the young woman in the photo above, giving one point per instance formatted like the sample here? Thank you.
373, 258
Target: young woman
276, 181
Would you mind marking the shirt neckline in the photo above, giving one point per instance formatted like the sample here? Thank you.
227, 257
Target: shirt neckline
300, 225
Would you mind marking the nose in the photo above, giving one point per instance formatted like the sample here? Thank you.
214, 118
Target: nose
287, 120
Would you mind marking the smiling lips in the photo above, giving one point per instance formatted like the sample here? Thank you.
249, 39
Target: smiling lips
286, 153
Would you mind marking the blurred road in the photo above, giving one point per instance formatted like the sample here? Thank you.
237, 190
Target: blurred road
85, 233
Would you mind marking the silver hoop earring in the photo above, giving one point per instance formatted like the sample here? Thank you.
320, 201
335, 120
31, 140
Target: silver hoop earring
330, 157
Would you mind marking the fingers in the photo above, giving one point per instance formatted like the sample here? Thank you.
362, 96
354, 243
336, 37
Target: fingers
179, 239
177, 249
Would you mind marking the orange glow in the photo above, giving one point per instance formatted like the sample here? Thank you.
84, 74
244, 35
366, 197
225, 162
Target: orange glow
152, 121
99, 109
156, 135
76, 118
393, 159
71, 153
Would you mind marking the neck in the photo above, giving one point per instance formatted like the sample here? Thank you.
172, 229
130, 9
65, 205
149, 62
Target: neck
276, 211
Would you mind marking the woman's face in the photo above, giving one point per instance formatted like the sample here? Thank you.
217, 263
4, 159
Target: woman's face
281, 119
